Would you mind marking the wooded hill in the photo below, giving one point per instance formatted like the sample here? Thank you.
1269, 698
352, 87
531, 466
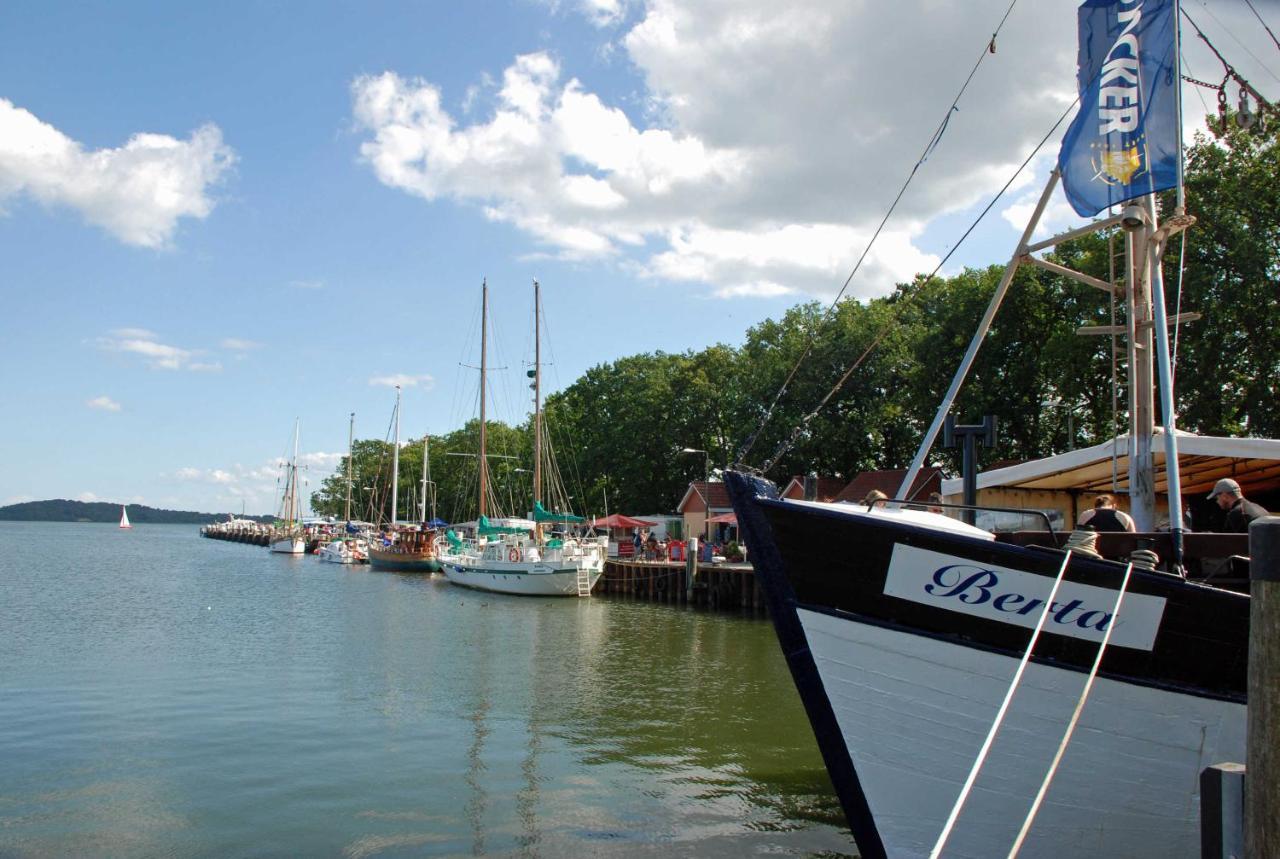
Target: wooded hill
64, 510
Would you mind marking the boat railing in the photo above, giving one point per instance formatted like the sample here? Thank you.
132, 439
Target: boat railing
976, 508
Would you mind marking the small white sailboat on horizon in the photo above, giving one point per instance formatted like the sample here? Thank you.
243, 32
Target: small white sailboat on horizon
124, 517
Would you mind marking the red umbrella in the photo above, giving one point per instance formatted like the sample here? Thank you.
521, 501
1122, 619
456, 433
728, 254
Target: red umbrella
724, 519
617, 520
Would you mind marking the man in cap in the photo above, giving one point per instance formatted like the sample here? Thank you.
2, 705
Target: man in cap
1239, 511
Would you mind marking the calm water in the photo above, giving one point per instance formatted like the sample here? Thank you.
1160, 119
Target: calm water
166, 695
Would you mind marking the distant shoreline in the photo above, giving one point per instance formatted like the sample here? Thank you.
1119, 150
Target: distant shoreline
65, 510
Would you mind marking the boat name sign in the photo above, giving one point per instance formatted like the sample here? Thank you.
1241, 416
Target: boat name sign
1017, 597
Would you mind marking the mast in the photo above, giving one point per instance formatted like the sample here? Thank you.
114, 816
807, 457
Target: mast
484, 344
426, 478
537, 393
351, 438
293, 478
395, 464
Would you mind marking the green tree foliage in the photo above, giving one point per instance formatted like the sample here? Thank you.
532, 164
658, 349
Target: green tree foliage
1229, 361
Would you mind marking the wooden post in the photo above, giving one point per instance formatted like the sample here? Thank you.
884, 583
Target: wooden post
1262, 799
690, 567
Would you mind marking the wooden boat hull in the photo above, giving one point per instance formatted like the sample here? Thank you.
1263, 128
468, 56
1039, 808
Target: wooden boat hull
902, 683
403, 562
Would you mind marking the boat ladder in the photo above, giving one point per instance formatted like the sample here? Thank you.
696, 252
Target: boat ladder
584, 582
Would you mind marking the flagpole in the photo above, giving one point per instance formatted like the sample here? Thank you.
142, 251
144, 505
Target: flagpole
1181, 205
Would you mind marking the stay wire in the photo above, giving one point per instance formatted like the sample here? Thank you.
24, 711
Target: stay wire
1263, 23
1237, 39
788, 442
987, 48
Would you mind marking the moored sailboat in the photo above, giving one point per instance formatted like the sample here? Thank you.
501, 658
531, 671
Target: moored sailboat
982, 698
519, 556
288, 539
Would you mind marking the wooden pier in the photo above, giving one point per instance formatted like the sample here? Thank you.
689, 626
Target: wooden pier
717, 586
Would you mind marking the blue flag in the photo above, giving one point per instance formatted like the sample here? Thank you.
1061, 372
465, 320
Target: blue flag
1124, 141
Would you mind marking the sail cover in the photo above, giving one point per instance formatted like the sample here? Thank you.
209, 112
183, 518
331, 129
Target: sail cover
1124, 140
541, 514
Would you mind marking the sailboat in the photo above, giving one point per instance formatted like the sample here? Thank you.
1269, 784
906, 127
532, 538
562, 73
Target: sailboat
124, 518
404, 550
520, 556
984, 698
289, 539
348, 548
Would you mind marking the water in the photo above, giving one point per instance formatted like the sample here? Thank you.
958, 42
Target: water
166, 695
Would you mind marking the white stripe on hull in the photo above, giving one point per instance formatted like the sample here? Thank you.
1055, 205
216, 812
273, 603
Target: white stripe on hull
914, 712
547, 582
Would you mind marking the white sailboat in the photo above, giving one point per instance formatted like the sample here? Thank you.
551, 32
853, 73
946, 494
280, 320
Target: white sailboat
124, 517
518, 556
289, 540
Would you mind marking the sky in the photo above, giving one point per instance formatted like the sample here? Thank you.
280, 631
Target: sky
219, 219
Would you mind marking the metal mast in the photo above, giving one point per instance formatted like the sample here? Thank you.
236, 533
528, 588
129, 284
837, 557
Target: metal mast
537, 393
351, 437
484, 343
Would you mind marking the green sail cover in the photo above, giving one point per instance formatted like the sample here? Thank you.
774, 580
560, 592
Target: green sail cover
541, 514
455, 541
486, 528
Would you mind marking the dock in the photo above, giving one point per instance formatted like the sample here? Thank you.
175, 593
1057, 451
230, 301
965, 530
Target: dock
717, 586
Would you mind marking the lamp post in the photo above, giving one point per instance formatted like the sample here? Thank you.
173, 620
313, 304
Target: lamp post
706, 489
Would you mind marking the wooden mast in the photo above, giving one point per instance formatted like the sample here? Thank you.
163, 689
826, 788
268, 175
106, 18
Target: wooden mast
395, 465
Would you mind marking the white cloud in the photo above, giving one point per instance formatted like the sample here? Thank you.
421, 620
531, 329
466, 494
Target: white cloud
404, 380
18, 499
157, 355
137, 192
307, 284
104, 403
236, 344
320, 461
772, 146
87, 497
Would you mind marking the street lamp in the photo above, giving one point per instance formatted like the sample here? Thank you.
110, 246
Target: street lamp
706, 489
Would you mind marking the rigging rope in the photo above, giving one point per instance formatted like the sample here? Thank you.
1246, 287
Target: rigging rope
1004, 708
1075, 718
1262, 22
987, 48
787, 443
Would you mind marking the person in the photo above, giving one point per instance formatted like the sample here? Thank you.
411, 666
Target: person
935, 499
638, 542
1105, 517
1240, 512
873, 496
651, 548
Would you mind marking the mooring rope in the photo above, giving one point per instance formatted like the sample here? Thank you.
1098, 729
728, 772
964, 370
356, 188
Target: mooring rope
1075, 718
1004, 708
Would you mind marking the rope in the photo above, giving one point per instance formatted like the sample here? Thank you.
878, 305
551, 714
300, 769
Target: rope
995, 726
1083, 543
1075, 718
924, 156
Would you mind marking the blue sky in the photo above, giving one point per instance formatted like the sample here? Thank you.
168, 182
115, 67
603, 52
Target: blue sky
215, 218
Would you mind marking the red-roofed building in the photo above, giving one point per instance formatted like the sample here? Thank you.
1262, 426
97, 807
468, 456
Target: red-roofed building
888, 480
697, 500
828, 488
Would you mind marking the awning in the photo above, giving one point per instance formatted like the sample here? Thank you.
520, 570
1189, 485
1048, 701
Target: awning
723, 519
1203, 460
617, 520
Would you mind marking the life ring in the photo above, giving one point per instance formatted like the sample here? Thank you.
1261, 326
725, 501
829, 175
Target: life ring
513, 555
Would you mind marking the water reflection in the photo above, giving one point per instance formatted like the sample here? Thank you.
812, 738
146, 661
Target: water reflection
184, 696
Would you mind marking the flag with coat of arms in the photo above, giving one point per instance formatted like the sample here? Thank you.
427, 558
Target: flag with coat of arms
1124, 141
